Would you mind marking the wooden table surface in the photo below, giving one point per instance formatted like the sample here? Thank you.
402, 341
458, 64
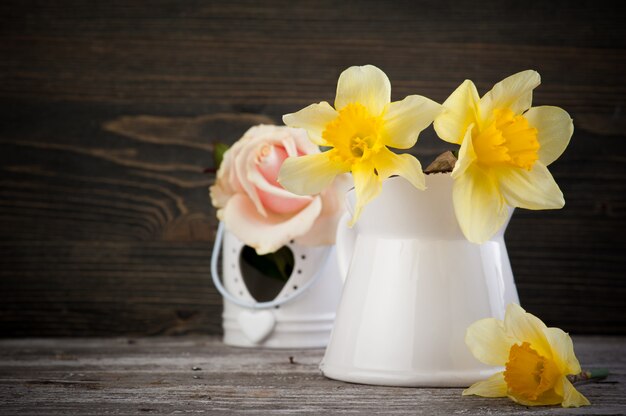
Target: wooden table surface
200, 375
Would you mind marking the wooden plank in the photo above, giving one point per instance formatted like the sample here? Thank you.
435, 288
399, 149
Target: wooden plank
156, 375
110, 111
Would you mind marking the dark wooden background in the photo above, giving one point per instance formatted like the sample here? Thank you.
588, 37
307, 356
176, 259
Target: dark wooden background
109, 111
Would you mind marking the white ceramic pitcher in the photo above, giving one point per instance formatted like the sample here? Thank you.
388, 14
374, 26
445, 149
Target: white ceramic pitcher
414, 284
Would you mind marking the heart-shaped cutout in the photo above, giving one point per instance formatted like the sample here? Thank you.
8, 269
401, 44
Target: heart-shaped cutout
265, 275
256, 325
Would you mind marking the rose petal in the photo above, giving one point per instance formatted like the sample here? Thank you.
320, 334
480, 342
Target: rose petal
269, 162
324, 229
267, 233
245, 167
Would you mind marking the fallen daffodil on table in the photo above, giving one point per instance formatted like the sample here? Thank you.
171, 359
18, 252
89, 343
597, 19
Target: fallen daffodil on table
537, 360
506, 147
359, 131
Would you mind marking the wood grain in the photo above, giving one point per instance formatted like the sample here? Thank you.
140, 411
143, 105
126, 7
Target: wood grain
157, 376
109, 112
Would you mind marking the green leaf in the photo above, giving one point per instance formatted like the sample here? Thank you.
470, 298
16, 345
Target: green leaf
218, 153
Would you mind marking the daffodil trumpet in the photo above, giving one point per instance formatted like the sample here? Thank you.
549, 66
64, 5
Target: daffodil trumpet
357, 134
539, 362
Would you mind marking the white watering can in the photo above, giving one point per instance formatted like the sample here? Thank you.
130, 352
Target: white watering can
300, 316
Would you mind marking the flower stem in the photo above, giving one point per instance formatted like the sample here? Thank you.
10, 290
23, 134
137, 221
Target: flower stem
589, 375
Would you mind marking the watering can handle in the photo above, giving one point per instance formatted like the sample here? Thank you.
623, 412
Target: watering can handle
217, 281
346, 238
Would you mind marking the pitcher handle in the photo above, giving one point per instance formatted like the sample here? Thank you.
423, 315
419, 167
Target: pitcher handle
345, 241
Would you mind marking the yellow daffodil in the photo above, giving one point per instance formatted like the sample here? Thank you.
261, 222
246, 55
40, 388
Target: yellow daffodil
536, 360
358, 132
505, 148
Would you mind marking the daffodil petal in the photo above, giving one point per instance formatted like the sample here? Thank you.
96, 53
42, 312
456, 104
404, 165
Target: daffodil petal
479, 208
310, 174
571, 396
467, 155
388, 163
534, 189
514, 92
526, 327
366, 85
546, 399
488, 341
562, 350
494, 386
460, 110
313, 119
367, 186
554, 130
404, 120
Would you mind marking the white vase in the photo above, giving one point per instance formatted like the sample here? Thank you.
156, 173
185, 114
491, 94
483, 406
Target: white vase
414, 284
301, 315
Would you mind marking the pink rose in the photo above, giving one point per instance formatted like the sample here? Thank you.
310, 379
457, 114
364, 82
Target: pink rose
257, 209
